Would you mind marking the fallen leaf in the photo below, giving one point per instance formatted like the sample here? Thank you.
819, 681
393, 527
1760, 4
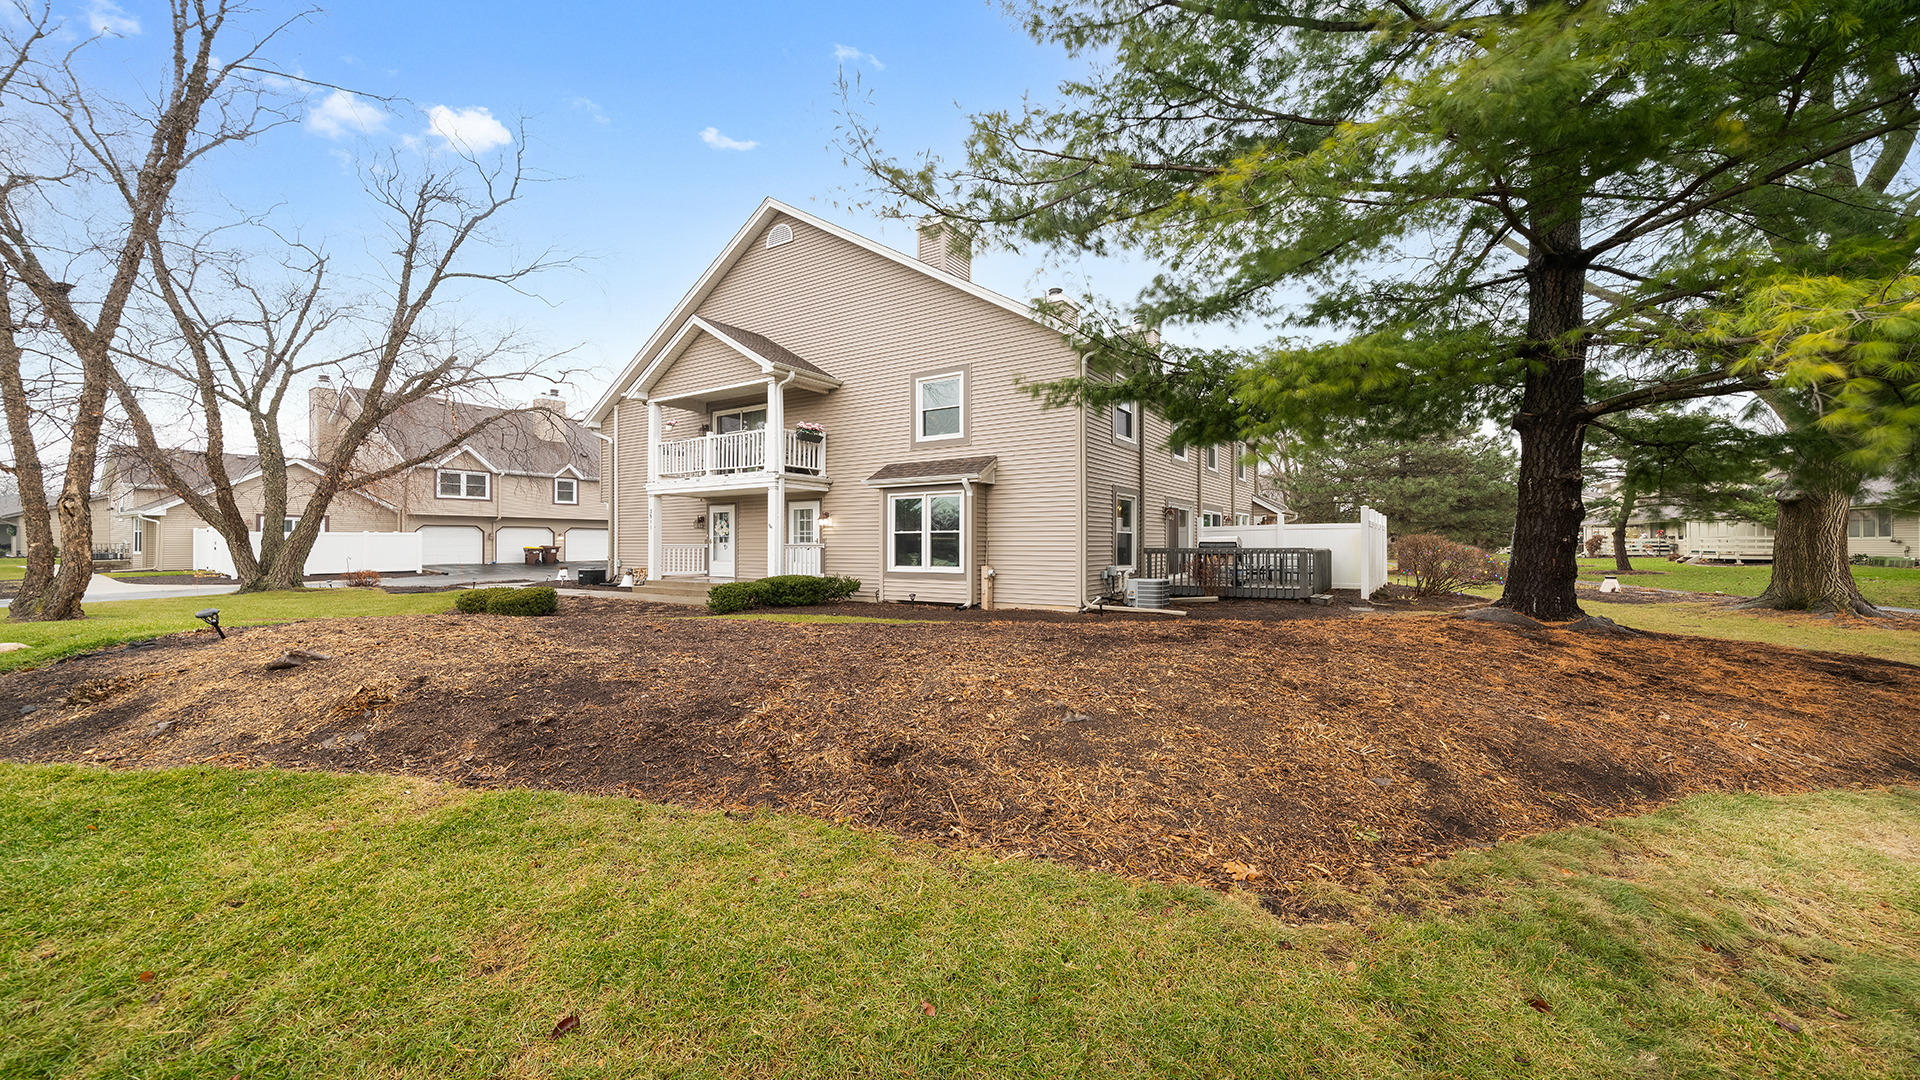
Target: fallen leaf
1540, 1004
927, 1008
146, 976
567, 1023
1242, 871
1284, 945
1352, 967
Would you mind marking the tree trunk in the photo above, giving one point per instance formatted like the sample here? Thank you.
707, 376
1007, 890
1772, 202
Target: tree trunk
1552, 423
1810, 571
36, 518
1628, 497
62, 600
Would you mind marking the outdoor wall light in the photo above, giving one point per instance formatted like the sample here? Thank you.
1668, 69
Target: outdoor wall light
826, 519
211, 617
701, 521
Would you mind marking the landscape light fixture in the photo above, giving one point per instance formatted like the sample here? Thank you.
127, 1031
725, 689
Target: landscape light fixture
211, 616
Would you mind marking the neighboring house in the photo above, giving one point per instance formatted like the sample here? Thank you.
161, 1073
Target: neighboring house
1874, 529
137, 515
530, 478
821, 403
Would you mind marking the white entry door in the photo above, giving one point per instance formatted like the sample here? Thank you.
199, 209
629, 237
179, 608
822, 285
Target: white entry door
720, 542
803, 538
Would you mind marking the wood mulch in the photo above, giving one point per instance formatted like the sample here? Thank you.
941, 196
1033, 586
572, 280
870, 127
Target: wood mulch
1323, 744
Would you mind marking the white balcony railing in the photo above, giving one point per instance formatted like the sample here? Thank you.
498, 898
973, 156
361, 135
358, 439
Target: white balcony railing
735, 452
803, 559
678, 559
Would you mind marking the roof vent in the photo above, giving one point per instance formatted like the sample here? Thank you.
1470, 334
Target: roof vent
779, 234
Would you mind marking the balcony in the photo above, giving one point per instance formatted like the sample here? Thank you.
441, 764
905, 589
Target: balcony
737, 458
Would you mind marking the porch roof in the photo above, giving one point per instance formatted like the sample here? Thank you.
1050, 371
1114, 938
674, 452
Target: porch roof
946, 470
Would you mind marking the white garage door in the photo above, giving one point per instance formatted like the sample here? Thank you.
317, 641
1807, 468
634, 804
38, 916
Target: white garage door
509, 544
442, 544
586, 545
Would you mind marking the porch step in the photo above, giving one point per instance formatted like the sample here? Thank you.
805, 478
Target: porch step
673, 592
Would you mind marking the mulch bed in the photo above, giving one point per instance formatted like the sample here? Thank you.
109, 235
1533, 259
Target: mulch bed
1328, 745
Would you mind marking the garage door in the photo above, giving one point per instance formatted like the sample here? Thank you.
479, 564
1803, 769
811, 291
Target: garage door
442, 544
507, 543
585, 545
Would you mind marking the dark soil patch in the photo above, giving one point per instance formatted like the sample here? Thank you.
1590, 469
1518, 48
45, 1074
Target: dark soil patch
1312, 744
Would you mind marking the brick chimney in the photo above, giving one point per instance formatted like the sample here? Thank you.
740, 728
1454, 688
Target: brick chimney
324, 422
943, 248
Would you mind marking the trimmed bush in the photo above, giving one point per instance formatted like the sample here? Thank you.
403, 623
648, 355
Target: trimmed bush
475, 601
539, 600
1439, 566
784, 590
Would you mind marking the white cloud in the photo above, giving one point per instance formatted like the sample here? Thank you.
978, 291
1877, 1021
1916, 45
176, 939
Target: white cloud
471, 130
713, 138
341, 114
591, 107
105, 17
844, 53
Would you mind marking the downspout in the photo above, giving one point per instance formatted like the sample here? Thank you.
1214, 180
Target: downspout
1081, 590
966, 536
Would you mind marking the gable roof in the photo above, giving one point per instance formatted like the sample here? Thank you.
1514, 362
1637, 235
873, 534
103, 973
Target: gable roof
946, 470
169, 501
517, 441
675, 324
136, 467
769, 350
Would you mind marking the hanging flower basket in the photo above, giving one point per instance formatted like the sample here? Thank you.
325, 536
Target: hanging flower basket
808, 431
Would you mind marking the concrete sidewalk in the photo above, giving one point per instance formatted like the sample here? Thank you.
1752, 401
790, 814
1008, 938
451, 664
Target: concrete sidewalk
101, 589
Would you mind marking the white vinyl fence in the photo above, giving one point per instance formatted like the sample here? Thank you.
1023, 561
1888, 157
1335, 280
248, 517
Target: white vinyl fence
1359, 548
333, 552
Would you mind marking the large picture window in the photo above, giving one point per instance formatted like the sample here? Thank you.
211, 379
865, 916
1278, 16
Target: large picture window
465, 485
939, 407
1123, 531
1869, 524
926, 532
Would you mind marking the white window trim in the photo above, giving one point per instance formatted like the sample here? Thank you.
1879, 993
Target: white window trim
139, 535
1212, 458
793, 519
1132, 409
926, 533
1220, 519
558, 501
1178, 455
919, 413
463, 474
713, 419
1131, 532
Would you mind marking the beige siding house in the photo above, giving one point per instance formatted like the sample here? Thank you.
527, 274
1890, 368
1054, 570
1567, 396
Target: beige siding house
524, 477
135, 513
821, 403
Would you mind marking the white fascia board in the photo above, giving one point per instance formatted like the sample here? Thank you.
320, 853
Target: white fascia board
985, 476
650, 352
477, 456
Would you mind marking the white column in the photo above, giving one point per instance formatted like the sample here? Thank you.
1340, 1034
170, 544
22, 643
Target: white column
776, 458
777, 526
656, 542
653, 439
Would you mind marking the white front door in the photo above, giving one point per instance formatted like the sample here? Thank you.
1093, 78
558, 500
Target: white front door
803, 538
720, 542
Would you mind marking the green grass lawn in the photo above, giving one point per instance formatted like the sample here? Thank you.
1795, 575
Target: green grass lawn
133, 620
1891, 586
13, 569
207, 922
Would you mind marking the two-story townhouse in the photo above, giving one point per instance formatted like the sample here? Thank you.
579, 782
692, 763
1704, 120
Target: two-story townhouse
136, 514
821, 403
520, 478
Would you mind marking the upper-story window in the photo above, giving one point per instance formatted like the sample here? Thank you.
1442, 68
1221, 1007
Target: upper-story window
1213, 458
939, 408
465, 485
1125, 428
754, 419
1240, 469
1180, 454
566, 491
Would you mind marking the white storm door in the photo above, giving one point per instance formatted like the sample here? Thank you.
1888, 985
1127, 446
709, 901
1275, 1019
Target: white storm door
720, 542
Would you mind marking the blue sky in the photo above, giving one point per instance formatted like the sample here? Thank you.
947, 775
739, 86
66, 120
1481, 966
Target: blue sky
666, 123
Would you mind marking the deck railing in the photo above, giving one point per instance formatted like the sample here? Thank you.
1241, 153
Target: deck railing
1257, 573
736, 452
679, 559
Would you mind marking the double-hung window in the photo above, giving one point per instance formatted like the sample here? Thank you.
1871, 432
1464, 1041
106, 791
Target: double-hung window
926, 532
1180, 454
1213, 459
1124, 427
1123, 526
464, 485
1212, 519
939, 407
566, 491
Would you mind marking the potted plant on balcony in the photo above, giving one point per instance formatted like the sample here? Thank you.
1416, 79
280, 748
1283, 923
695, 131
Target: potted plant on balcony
808, 431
